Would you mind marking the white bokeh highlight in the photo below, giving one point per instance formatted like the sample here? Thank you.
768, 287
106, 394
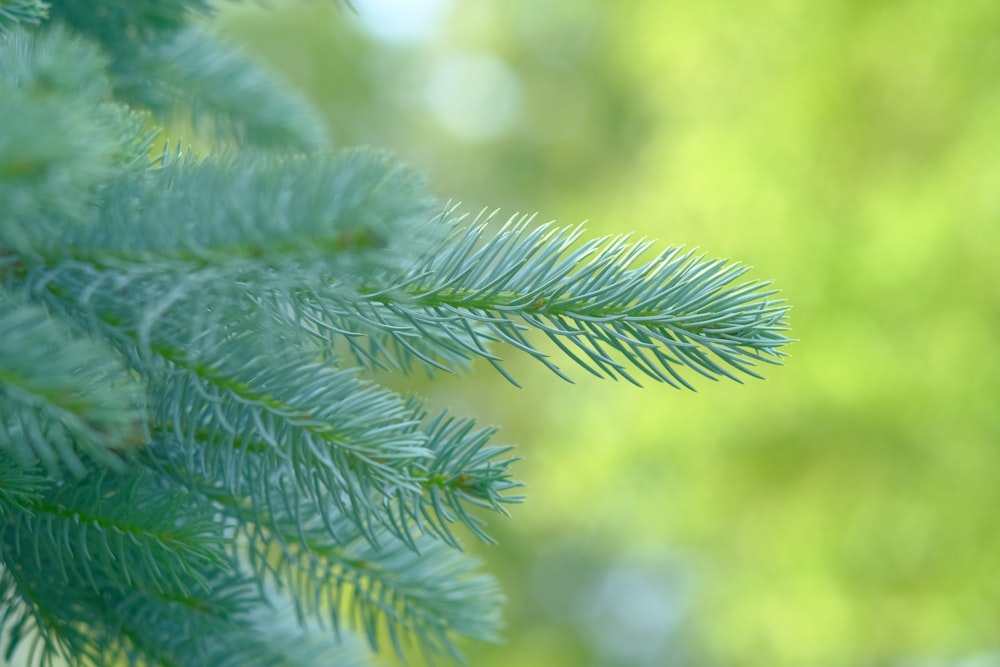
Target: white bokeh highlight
476, 97
409, 22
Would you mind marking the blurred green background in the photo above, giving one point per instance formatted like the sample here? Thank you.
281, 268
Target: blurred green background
845, 510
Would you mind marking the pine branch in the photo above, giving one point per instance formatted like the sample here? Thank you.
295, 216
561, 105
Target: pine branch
120, 25
228, 383
428, 595
600, 303
247, 629
464, 473
15, 12
336, 436
20, 486
84, 573
334, 213
160, 63
67, 621
112, 550
377, 459
220, 91
309, 546
121, 527
65, 396
58, 138
673, 311
279, 638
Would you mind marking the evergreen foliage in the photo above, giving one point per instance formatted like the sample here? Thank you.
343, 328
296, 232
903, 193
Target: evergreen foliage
194, 469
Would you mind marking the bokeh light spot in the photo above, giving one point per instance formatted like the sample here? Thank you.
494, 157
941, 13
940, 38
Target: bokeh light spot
475, 96
408, 22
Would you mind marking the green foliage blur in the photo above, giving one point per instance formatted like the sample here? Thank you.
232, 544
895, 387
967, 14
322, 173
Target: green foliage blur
844, 511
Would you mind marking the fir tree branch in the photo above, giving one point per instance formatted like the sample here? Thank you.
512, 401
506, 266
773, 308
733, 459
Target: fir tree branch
58, 140
105, 569
67, 619
346, 440
465, 472
385, 465
122, 528
222, 92
29, 616
292, 642
20, 486
65, 395
235, 625
121, 25
429, 594
331, 568
461, 473
15, 12
161, 64
229, 385
322, 214
53, 64
603, 306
